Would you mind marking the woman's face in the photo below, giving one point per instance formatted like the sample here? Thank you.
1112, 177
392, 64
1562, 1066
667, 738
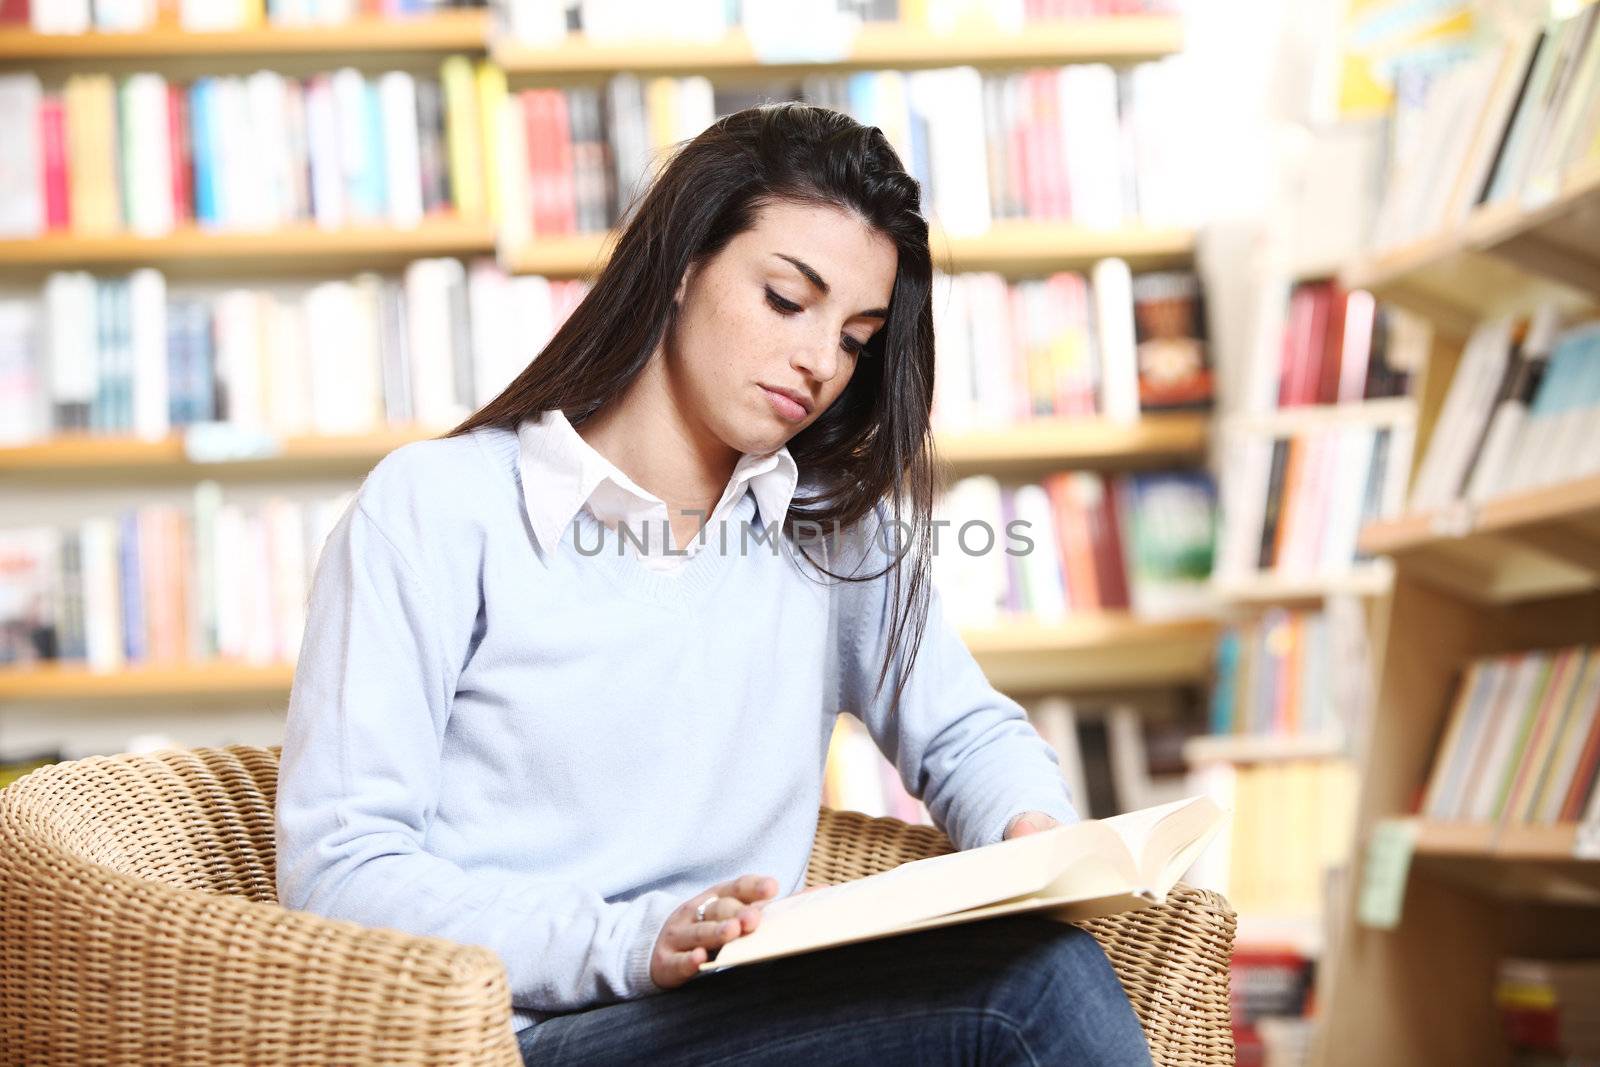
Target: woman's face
770, 329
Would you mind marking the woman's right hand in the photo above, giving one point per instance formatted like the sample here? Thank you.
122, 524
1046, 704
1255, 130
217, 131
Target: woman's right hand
684, 944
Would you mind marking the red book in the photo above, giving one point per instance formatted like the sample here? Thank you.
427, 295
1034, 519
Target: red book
1291, 359
1583, 779
15, 13
1332, 346
532, 101
53, 135
1313, 346
565, 182
182, 160
1113, 585
1023, 147
1077, 566
1115, 512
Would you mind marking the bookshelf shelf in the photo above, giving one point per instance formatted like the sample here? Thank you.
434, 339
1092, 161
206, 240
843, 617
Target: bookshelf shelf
1012, 247
1488, 841
1082, 442
1047, 443
55, 682
1507, 257
90, 457
1094, 651
1539, 542
1119, 39
444, 31
1263, 748
291, 248
1112, 650
1367, 579
1385, 411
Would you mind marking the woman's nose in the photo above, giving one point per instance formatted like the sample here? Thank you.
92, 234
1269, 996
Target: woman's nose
820, 360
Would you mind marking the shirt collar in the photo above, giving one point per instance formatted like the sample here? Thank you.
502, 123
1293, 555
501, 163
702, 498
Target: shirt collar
561, 472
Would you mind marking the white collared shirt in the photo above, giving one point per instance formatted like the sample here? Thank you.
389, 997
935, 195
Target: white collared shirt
562, 473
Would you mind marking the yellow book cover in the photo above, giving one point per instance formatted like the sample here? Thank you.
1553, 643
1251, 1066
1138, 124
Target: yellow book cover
491, 81
462, 132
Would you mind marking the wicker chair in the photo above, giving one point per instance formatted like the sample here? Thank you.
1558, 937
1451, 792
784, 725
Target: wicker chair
139, 924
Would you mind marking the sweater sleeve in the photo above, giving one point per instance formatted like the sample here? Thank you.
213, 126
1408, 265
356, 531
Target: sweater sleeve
963, 748
359, 780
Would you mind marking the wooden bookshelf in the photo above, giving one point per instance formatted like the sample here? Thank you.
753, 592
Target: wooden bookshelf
1112, 650
1383, 411
1507, 258
1015, 247
1260, 748
1053, 443
1367, 579
877, 45
1535, 543
1045, 444
294, 248
1087, 652
71, 682
443, 31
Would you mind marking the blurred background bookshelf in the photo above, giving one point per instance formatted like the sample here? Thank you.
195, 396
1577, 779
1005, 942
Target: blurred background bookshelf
1273, 323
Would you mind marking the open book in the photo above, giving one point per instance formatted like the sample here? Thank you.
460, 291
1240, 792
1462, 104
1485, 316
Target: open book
1079, 871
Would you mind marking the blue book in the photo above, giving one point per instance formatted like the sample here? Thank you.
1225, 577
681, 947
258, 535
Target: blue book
132, 587
200, 133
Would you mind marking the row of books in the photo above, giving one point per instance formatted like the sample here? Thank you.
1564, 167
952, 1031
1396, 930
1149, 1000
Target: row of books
1293, 822
1522, 741
1507, 125
128, 16
783, 31
1519, 412
124, 356
1549, 1009
1294, 504
1077, 541
1332, 346
1111, 344
1275, 677
1271, 1001
162, 584
857, 777
144, 155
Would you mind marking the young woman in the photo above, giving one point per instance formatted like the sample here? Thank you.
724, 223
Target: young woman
569, 672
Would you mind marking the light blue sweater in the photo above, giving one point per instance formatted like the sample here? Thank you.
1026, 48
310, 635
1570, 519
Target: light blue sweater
545, 754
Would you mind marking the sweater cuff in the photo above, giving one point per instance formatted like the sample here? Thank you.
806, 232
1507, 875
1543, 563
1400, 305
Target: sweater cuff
637, 964
1054, 805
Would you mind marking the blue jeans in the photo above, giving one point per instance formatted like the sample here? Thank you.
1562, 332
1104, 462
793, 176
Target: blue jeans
1019, 989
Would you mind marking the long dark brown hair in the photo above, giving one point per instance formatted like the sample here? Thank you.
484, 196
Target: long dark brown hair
874, 440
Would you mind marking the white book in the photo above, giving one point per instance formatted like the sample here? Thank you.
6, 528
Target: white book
350, 110
1396, 469
229, 586
322, 143
429, 337
203, 575
24, 414
1114, 329
1466, 410
1091, 133
59, 16
1565, 458
147, 301
285, 522
531, 322
397, 99
270, 199
22, 162
535, 22
70, 329
146, 138
237, 325
333, 335
1352, 462
498, 350
1130, 764
289, 404
951, 100
1042, 563
512, 177
102, 594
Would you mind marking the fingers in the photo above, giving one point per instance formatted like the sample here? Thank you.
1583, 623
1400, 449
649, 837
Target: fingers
733, 913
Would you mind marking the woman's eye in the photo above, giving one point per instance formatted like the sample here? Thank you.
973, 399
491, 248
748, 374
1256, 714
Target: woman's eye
779, 304
852, 346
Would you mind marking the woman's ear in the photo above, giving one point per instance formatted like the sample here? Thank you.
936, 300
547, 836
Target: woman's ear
683, 284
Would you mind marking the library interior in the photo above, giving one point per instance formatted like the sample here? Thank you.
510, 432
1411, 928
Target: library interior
1275, 326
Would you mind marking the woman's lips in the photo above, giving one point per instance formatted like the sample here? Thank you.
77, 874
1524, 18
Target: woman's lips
785, 407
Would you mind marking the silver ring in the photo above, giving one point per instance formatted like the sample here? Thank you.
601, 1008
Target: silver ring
700, 912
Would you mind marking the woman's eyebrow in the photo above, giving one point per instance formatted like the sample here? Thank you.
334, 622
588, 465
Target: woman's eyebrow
810, 275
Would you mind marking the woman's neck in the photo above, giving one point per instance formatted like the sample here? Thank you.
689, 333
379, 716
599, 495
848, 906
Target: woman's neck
647, 433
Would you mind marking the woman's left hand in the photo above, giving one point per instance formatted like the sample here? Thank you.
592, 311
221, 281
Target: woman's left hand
1029, 822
